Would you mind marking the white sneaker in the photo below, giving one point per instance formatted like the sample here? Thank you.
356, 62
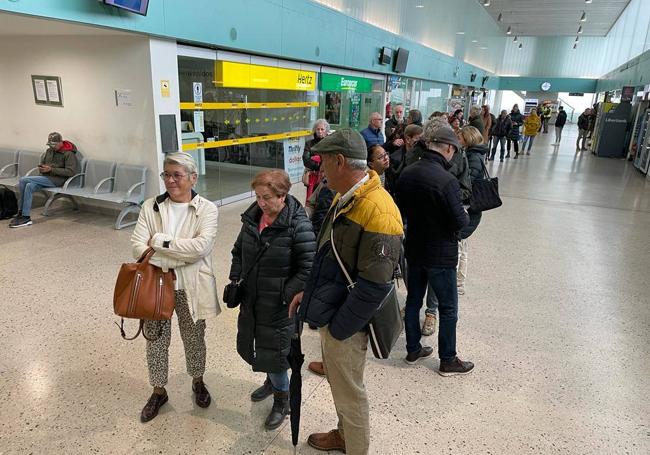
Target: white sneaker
429, 326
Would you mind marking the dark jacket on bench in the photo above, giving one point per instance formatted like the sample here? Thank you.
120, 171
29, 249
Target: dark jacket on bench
63, 163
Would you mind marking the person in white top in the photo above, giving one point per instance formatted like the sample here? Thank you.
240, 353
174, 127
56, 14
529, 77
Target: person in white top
181, 227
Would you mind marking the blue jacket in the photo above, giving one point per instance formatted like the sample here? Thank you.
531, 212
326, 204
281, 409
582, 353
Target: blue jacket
429, 198
372, 136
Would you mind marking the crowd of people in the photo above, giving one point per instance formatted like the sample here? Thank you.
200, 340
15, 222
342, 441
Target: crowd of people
370, 199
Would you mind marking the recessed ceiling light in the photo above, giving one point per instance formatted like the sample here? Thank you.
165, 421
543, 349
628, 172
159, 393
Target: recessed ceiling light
580, 29
520, 46
474, 41
575, 45
419, 6
577, 39
587, 1
460, 33
509, 31
483, 47
486, 2
583, 18
500, 18
516, 39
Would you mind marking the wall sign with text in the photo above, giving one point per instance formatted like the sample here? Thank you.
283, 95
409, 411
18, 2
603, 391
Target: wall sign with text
47, 90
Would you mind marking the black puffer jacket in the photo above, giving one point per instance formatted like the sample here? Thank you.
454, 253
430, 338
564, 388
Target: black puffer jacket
264, 329
429, 198
475, 159
517, 120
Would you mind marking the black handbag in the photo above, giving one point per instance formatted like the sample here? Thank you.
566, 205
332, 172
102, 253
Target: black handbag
233, 293
485, 193
387, 324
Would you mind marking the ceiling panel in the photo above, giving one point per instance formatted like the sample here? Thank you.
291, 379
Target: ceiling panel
556, 17
19, 25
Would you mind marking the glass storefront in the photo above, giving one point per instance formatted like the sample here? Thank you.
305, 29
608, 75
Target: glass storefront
239, 118
425, 96
348, 101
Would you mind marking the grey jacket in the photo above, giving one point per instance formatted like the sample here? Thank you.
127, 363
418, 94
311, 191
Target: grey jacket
62, 162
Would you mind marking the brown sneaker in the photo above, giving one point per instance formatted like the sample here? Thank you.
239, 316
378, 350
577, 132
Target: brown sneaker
429, 326
327, 441
316, 368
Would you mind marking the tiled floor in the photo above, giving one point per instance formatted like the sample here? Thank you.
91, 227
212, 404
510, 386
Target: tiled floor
556, 318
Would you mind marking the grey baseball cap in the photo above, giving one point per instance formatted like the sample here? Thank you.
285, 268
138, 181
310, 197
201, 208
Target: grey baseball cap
445, 135
346, 142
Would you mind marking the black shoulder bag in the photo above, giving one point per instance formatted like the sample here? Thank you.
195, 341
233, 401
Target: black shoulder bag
485, 192
386, 325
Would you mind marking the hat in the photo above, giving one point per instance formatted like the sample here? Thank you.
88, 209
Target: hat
346, 142
54, 138
445, 135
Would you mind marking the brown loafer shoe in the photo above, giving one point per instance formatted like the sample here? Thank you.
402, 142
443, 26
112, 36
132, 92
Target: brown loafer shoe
201, 395
152, 407
316, 368
327, 441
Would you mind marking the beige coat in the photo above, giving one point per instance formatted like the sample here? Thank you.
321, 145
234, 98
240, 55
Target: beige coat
190, 254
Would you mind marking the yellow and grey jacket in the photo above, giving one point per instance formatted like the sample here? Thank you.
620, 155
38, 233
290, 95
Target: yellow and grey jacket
368, 234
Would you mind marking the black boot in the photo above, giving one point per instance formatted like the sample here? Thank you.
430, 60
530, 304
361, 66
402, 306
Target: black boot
262, 393
279, 410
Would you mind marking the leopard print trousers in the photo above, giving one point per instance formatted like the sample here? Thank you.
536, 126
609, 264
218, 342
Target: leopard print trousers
192, 334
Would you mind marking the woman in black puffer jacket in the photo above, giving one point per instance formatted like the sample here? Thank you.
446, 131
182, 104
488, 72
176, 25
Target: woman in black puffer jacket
278, 224
476, 151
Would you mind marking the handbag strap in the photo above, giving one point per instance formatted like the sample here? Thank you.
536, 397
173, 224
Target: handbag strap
351, 283
146, 255
258, 256
485, 171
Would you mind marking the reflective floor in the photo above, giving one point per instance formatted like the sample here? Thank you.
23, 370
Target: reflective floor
556, 318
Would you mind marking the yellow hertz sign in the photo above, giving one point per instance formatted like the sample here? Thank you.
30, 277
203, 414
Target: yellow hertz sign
243, 75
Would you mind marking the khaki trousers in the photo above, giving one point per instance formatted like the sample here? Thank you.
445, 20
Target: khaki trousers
345, 362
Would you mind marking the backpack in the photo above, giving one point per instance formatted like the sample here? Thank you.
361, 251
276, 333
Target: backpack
8, 203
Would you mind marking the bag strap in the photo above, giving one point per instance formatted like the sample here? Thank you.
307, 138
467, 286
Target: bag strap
351, 283
485, 171
146, 255
140, 330
258, 256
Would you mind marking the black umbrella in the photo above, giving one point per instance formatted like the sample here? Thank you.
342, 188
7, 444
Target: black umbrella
296, 358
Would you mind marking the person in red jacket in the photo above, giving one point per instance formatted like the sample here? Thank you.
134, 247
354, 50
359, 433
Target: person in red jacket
57, 164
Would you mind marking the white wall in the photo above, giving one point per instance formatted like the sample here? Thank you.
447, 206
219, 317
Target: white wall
91, 68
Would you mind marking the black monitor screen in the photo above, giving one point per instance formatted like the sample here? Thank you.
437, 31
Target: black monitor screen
135, 6
401, 60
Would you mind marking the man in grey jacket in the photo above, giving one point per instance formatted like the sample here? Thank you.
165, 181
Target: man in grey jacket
58, 163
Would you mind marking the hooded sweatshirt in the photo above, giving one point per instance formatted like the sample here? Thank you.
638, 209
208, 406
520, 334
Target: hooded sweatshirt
63, 163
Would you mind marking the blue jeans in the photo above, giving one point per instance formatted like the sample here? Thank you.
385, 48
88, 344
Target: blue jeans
528, 139
279, 381
443, 283
26, 188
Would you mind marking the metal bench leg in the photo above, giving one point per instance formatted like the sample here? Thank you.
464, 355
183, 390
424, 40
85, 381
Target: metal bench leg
119, 223
54, 197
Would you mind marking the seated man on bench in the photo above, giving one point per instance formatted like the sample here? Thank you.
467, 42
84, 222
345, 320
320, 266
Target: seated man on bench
57, 164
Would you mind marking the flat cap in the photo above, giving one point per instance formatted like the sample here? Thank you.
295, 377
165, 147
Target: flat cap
346, 142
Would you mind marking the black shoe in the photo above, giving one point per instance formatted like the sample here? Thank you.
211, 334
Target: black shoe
20, 221
501, 160
455, 367
413, 357
201, 395
490, 159
152, 407
508, 155
279, 411
516, 156
262, 393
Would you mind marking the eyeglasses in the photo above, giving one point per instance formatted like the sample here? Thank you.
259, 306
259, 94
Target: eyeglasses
176, 176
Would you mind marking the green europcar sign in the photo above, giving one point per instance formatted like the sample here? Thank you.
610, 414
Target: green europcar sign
338, 83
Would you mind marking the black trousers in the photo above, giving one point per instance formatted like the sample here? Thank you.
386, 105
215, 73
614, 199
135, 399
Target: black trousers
516, 143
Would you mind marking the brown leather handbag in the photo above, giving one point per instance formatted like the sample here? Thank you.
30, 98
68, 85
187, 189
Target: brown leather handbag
143, 291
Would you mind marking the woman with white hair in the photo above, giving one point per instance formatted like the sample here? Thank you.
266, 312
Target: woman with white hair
311, 177
181, 227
